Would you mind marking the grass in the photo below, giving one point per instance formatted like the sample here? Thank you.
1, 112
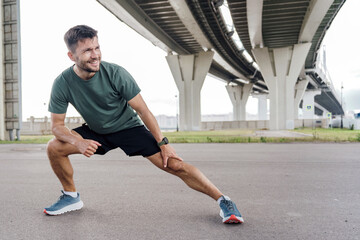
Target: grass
41, 139
332, 135
248, 136
225, 136
237, 136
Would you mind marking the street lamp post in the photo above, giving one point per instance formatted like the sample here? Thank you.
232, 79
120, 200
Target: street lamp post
341, 100
177, 113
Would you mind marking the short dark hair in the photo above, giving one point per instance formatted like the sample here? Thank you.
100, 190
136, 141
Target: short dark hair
79, 32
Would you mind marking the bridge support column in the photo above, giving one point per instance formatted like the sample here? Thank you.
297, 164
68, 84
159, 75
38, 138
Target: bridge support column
239, 96
262, 105
281, 68
189, 72
10, 75
309, 104
300, 88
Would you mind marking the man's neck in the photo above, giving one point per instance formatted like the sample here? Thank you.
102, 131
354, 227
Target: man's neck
83, 74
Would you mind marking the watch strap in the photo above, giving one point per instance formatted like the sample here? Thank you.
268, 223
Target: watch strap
164, 141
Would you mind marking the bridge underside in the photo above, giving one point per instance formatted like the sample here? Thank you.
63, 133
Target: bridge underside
191, 27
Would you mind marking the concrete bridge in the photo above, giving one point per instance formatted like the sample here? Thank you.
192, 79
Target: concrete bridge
269, 49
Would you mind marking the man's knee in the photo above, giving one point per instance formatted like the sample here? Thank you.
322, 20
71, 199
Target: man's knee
53, 147
176, 165
57, 148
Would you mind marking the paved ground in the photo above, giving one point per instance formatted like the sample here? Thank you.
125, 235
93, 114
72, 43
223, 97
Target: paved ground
284, 191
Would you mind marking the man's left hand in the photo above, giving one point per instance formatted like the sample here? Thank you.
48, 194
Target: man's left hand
167, 152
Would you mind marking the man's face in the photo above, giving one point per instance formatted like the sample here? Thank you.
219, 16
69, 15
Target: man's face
87, 55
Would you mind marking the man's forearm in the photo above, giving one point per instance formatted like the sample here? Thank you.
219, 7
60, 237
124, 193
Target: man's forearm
151, 123
64, 134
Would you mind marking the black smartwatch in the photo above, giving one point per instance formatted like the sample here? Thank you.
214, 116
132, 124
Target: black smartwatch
164, 141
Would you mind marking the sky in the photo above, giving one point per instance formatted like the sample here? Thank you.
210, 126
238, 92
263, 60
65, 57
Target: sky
343, 51
44, 56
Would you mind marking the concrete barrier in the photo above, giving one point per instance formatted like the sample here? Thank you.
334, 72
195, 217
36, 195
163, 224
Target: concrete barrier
42, 126
261, 124
347, 123
220, 125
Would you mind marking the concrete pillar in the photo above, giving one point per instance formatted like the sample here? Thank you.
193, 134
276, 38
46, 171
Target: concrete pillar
239, 96
189, 72
309, 104
2, 82
10, 74
300, 88
262, 105
280, 68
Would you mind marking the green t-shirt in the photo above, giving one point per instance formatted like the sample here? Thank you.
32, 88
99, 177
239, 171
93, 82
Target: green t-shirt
101, 100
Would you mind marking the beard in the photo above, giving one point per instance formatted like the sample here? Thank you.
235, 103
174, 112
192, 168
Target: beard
86, 66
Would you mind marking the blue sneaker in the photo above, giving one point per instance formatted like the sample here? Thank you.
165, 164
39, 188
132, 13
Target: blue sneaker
65, 204
229, 212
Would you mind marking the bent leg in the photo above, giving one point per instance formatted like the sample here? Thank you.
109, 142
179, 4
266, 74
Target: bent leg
192, 176
58, 153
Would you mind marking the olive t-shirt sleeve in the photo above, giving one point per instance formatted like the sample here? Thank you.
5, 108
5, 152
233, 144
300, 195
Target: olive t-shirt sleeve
58, 103
128, 87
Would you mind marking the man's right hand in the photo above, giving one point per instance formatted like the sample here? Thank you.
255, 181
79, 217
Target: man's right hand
87, 147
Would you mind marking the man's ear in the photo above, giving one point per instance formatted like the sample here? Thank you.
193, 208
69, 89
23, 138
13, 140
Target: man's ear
71, 56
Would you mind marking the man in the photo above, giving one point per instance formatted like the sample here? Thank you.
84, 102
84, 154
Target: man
106, 96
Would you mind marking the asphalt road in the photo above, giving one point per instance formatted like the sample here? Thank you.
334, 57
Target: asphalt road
284, 191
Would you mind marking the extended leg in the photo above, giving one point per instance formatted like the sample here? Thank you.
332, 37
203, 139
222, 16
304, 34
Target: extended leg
189, 174
197, 181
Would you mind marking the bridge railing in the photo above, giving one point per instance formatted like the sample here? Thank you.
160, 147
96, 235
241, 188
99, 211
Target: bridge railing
323, 72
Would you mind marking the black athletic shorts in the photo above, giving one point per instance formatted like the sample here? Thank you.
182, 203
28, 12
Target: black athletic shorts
133, 141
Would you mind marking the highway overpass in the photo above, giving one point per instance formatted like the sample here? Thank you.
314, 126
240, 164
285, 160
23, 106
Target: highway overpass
267, 48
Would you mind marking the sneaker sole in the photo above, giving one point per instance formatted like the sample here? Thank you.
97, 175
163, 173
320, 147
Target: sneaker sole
72, 207
233, 219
